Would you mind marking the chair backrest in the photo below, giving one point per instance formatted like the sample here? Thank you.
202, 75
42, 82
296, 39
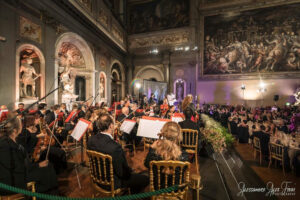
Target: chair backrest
165, 174
101, 171
189, 139
256, 143
276, 151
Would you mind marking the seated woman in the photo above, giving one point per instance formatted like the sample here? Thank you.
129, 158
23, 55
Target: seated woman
29, 135
166, 147
15, 166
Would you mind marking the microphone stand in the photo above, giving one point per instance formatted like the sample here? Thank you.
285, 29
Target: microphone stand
30, 106
95, 98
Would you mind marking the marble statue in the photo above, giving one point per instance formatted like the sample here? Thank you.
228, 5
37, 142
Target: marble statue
28, 77
102, 86
67, 76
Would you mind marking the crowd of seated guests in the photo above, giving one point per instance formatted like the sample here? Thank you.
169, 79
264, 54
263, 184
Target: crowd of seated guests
270, 124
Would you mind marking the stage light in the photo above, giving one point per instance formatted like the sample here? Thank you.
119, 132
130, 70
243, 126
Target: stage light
138, 85
243, 87
187, 48
287, 103
262, 84
195, 48
154, 51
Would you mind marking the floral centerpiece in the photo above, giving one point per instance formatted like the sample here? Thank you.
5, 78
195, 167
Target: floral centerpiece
217, 135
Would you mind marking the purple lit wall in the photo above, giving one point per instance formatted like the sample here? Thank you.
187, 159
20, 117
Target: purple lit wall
230, 92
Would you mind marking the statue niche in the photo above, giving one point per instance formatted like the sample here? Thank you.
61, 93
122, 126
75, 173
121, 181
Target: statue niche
70, 58
102, 86
29, 74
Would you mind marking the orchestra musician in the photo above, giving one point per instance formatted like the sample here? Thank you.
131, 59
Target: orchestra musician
103, 142
30, 134
164, 107
15, 165
170, 112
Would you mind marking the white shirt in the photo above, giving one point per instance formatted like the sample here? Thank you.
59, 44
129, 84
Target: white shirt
108, 134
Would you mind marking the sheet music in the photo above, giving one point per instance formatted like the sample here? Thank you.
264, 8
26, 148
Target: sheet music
80, 129
150, 128
177, 119
127, 126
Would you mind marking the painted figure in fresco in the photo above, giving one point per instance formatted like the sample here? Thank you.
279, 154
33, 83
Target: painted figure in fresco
261, 53
28, 72
277, 53
255, 41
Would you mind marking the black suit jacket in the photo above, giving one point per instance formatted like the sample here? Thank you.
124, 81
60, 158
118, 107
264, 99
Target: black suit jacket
104, 144
189, 124
50, 117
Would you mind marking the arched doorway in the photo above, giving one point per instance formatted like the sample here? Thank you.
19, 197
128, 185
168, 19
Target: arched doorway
148, 72
180, 89
116, 83
74, 67
30, 74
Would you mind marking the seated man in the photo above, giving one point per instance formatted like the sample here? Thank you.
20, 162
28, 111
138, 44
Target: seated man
103, 142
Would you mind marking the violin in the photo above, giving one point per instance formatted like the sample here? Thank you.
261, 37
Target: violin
42, 143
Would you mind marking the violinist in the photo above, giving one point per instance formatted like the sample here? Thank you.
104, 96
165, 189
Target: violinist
20, 108
63, 108
128, 137
30, 134
42, 109
170, 112
164, 107
15, 166
55, 117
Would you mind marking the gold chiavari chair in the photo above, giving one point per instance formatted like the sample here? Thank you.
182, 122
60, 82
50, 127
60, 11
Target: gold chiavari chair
30, 186
257, 148
165, 174
102, 173
276, 152
190, 143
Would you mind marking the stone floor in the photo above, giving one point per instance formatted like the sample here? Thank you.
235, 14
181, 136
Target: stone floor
215, 182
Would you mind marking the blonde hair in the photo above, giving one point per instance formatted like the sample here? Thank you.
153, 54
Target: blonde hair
186, 101
167, 145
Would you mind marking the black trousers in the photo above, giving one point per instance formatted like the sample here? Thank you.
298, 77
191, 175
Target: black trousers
44, 177
57, 157
136, 183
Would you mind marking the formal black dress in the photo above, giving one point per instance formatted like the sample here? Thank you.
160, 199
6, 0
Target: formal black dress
16, 168
27, 140
123, 175
189, 124
153, 156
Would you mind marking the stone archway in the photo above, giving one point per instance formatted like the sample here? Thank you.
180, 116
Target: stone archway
84, 63
150, 72
41, 82
118, 78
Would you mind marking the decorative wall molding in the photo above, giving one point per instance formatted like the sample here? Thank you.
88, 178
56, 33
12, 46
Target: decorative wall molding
104, 21
103, 18
170, 37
